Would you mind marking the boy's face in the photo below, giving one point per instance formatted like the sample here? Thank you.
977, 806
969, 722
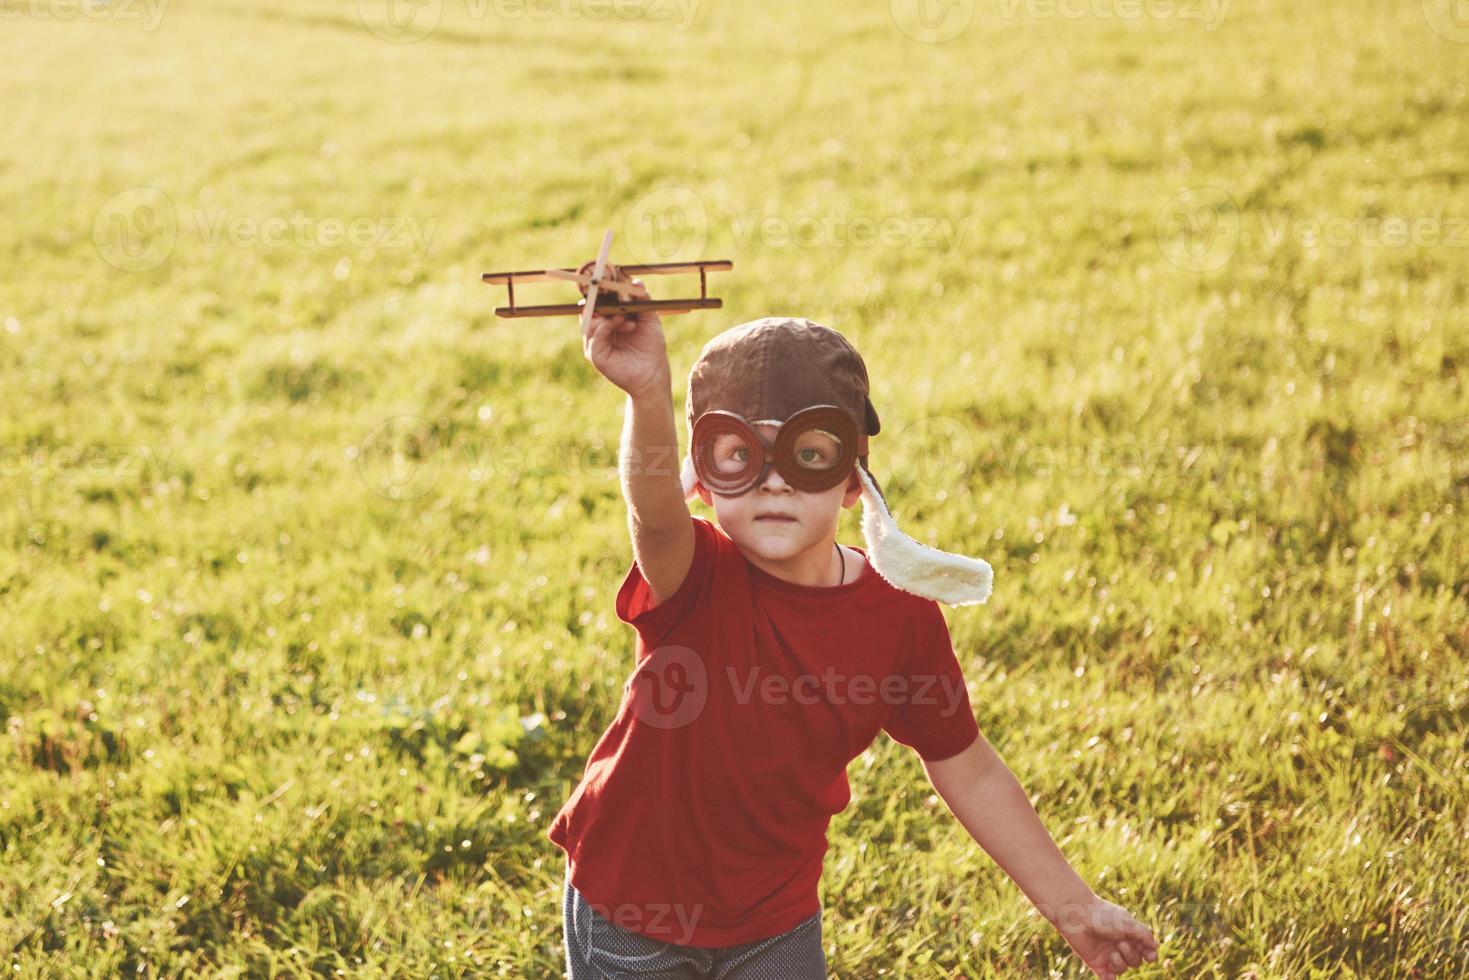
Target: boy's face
816, 515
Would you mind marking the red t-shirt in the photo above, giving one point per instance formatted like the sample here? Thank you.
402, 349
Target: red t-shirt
701, 816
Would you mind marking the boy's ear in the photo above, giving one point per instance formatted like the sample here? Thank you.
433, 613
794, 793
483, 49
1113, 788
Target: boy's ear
703, 494
854, 489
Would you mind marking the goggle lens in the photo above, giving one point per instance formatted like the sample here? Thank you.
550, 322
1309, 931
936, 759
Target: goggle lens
817, 450
731, 454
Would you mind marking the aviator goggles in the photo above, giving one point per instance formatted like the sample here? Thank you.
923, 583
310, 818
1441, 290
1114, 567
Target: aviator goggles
814, 450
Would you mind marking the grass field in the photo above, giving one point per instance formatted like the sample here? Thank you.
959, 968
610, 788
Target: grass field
307, 561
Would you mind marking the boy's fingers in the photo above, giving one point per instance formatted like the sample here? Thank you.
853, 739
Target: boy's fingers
601, 324
593, 338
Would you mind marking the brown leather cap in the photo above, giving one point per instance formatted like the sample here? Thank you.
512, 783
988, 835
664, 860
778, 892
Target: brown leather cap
773, 367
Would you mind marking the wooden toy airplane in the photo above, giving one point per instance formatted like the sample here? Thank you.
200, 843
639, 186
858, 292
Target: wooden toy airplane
608, 289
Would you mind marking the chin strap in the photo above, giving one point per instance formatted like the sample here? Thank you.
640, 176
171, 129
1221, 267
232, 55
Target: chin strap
904, 563
913, 567
688, 478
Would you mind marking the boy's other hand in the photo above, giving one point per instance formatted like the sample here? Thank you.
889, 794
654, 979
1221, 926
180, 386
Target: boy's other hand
628, 350
1107, 938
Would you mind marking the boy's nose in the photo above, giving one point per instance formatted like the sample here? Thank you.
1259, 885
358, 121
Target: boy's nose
773, 479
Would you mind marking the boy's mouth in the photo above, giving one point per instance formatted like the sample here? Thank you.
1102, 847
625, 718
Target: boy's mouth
776, 517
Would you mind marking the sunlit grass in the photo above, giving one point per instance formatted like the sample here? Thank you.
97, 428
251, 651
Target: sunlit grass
307, 568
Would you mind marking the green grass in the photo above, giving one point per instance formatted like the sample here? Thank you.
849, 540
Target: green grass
307, 561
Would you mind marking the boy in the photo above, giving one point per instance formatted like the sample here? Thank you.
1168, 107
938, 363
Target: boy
768, 657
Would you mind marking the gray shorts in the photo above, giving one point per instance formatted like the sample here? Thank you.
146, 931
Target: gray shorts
598, 949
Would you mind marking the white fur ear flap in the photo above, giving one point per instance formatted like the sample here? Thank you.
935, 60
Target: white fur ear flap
687, 478
913, 567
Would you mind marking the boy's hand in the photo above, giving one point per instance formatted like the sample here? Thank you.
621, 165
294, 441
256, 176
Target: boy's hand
628, 350
1107, 938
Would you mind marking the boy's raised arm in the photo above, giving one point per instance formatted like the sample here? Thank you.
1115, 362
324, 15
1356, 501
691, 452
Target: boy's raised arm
658, 518
631, 353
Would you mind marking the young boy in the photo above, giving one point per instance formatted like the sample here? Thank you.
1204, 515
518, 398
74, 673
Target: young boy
768, 657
